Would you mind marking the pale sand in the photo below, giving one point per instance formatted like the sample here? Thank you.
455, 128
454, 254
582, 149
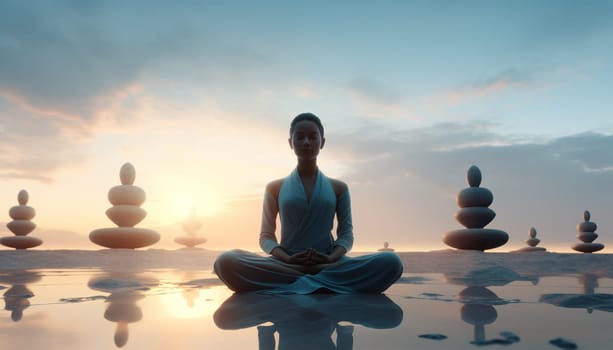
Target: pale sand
468, 268
447, 261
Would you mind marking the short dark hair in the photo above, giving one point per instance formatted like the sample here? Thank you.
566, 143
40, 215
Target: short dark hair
306, 116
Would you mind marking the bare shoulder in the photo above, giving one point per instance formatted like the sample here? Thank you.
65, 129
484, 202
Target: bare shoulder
274, 187
339, 186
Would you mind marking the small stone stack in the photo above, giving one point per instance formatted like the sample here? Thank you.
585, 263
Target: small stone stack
587, 235
191, 226
21, 225
532, 243
386, 248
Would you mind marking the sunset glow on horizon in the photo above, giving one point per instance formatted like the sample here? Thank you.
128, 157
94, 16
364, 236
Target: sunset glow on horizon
198, 96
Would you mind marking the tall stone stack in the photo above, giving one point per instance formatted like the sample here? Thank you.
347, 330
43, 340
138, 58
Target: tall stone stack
587, 234
475, 214
125, 213
21, 225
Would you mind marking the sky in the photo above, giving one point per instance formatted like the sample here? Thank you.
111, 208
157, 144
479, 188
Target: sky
198, 96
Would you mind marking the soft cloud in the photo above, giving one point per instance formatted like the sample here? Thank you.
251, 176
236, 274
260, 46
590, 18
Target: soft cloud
506, 80
70, 59
69, 70
34, 146
592, 151
373, 91
408, 182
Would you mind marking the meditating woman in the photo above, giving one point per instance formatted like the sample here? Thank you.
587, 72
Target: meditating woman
307, 258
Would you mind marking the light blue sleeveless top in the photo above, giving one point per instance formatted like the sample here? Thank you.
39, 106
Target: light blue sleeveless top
308, 223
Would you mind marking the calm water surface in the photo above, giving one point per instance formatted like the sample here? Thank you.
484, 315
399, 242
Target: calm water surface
171, 309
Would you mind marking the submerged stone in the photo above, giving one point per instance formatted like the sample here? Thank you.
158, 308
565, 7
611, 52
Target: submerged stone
563, 343
433, 336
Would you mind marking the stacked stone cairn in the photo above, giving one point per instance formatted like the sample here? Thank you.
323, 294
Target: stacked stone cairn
474, 214
587, 235
532, 243
21, 225
386, 247
191, 226
125, 213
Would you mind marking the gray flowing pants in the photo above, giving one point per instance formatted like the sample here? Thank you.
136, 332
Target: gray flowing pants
244, 271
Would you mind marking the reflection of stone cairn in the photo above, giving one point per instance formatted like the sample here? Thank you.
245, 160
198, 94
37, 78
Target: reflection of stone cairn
126, 290
191, 226
190, 295
123, 310
587, 234
21, 225
125, 213
479, 301
478, 309
16, 298
474, 214
532, 243
386, 248
589, 281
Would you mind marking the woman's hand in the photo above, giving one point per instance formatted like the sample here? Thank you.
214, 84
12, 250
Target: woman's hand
320, 258
333, 257
302, 258
309, 257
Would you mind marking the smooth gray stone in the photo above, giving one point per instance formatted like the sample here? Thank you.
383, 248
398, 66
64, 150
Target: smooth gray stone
475, 217
588, 247
475, 238
587, 226
563, 343
587, 237
124, 237
21, 242
531, 250
474, 197
473, 176
435, 336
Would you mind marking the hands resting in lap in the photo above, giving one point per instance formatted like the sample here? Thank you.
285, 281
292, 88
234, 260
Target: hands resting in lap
309, 261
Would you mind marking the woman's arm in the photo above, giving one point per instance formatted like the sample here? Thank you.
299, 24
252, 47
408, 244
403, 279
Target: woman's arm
344, 230
268, 238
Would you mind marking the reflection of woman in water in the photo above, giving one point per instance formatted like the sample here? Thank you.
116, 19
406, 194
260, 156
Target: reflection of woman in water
307, 258
307, 321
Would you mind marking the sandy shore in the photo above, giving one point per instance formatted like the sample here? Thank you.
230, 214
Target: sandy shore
450, 293
535, 264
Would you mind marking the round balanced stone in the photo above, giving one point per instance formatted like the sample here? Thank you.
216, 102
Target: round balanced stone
21, 227
126, 215
531, 249
21, 242
474, 197
475, 217
476, 238
124, 237
190, 241
22, 212
588, 247
127, 195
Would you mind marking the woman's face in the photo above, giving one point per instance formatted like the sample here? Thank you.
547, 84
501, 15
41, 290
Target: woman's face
306, 141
